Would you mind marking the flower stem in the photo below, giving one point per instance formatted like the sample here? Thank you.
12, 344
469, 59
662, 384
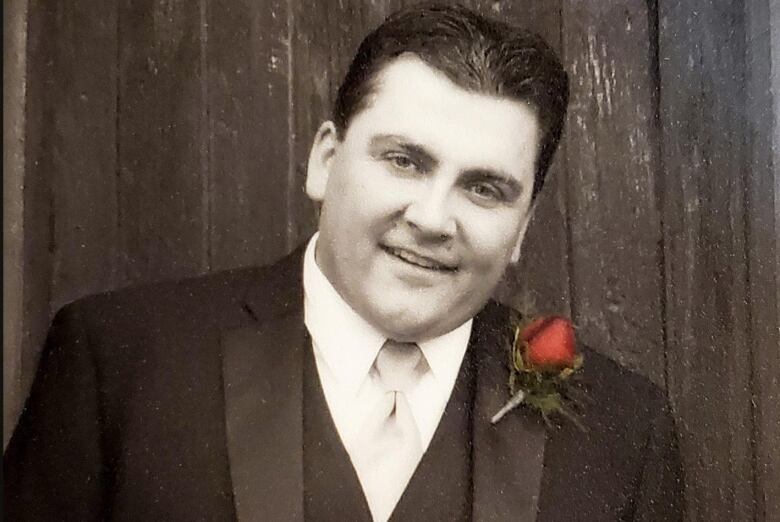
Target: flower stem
511, 404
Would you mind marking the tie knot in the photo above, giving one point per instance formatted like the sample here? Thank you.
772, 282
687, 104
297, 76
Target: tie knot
399, 365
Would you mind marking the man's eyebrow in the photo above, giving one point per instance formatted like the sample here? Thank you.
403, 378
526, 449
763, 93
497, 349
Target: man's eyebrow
418, 152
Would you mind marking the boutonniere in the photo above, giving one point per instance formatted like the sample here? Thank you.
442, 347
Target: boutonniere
544, 362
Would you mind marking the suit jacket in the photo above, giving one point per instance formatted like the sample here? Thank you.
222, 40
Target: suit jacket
182, 401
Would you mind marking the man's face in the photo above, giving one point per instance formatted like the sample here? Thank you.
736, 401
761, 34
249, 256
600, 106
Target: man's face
425, 200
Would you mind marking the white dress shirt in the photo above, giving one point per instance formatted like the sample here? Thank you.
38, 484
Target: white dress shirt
345, 347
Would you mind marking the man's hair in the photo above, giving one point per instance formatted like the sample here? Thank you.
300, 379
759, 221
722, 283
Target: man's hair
476, 53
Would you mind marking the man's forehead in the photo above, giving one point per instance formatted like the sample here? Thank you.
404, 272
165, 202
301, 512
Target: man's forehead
399, 69
422, 106
409, 77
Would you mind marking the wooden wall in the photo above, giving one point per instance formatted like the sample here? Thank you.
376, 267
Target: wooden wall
167, 138
14, 67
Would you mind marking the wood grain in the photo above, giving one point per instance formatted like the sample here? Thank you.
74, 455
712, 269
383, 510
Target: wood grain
248, 129
83, 176
702, 74
14, 81
763, 242
163, 217
612, 162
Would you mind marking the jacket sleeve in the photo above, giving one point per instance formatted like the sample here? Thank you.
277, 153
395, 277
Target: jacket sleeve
53, 464
661, 494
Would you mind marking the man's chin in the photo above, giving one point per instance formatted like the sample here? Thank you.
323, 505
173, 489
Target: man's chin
406, 313
416, 328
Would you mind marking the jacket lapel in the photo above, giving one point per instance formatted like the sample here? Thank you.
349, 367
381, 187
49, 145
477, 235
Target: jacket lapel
263, 386
508, 456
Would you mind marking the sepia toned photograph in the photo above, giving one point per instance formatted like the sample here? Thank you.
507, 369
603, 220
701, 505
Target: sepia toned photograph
391, 260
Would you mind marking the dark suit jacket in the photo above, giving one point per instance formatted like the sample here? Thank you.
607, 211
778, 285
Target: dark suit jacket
182, 401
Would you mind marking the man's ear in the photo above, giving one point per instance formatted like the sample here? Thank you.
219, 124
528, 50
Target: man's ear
521, 233
321, 157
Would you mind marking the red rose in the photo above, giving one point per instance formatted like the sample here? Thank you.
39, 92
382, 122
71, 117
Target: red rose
549, 344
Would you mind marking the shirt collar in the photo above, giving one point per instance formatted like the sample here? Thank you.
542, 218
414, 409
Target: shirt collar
349, 344
445, 353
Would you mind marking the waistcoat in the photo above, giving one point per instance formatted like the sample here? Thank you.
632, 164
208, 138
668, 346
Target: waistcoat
440, 488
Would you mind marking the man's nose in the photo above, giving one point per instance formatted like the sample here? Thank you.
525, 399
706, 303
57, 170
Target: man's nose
430, 212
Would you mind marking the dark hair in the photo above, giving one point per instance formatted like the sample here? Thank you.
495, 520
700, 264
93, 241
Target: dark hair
477, 53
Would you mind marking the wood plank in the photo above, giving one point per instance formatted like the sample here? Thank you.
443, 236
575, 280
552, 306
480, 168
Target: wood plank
248, 103
163, 179
702, 50
84, 186
612, 162
14, 81
763, 246
37, 206
68, 185
539, 283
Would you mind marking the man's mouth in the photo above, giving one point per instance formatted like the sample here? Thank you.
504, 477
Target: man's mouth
420, 260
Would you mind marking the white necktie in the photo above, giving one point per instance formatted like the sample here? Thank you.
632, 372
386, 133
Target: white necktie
389, 448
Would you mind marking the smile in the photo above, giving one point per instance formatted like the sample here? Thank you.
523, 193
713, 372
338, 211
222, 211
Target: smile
419, 260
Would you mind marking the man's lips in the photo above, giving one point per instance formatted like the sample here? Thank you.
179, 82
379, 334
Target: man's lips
420, 260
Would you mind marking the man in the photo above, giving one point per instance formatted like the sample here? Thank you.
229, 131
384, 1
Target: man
355, 379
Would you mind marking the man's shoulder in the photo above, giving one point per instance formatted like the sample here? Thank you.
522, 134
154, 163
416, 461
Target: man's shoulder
618, 390
252, 291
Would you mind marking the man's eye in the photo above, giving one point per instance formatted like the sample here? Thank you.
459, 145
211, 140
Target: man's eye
486, 191
401, 161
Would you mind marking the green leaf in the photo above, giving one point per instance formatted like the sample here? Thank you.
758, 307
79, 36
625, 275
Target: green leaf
566, 373
547, 403
517, 357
